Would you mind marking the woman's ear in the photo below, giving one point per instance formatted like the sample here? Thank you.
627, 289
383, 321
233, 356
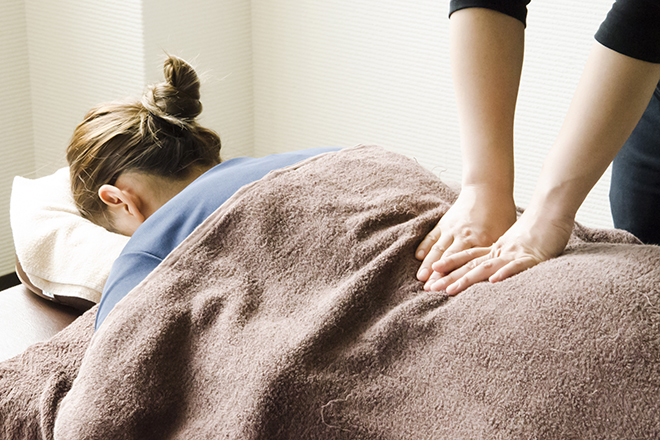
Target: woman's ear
125, 207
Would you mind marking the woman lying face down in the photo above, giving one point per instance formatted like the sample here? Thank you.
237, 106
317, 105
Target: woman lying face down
128, 158
136, 160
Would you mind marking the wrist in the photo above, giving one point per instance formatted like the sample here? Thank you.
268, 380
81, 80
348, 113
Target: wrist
553, 204
493, 177
501, 192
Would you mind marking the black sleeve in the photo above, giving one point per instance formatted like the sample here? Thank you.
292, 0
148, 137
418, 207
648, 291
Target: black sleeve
514, 8
632, 28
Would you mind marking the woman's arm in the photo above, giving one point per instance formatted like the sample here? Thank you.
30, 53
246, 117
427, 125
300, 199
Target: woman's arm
487, 54
611, 97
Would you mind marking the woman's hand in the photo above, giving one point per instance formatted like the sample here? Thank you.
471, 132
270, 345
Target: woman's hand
477, 219
532, 239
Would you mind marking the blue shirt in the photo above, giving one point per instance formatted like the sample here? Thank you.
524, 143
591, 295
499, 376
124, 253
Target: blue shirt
173, 222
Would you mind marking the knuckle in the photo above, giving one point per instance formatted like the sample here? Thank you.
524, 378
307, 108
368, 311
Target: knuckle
472, 264
438, 247
466, 232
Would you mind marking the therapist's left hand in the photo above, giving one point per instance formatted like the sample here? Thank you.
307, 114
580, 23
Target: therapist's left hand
532, 239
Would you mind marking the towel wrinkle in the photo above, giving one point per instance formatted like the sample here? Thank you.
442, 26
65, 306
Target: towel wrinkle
319, 331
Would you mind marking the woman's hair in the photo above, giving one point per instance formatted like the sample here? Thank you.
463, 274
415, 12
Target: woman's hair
156, 135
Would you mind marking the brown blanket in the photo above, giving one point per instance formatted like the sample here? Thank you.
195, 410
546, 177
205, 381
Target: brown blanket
293, 312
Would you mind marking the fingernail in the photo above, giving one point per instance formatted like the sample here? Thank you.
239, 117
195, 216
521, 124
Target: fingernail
423, 274
420, 254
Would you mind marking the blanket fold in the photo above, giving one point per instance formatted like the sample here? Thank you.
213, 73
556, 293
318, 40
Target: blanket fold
293, 312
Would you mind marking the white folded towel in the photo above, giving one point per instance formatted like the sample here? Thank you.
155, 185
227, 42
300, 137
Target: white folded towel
61, 252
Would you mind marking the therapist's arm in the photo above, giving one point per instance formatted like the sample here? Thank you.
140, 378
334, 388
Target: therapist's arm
486, 49
611, 97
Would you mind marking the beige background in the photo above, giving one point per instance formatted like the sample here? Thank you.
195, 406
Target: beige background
278, 75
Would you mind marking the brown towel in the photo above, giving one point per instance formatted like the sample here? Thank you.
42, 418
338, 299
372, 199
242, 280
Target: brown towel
33, 383
293, 312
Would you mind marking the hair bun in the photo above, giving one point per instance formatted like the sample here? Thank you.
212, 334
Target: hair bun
176, 99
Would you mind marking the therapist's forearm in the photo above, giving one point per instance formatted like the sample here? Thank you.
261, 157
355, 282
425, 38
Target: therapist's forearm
611, 97
486, 58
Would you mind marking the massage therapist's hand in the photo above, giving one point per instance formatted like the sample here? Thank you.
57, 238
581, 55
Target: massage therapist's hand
532, 239
478, 218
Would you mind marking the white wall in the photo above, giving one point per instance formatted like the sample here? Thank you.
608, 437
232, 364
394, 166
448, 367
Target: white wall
278, 75
16, 138
216, 37
58, 59
341, 72
559, 37
82, 52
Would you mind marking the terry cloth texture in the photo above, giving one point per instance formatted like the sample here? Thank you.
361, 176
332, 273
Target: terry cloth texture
63, 254
33, 383
293, 312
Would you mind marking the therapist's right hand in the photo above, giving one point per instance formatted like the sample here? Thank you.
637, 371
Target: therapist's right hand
477, 219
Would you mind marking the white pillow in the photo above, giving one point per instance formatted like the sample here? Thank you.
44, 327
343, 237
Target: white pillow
62, 253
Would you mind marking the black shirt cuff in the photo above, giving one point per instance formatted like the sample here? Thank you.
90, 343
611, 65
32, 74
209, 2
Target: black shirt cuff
632, 28
514, 8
